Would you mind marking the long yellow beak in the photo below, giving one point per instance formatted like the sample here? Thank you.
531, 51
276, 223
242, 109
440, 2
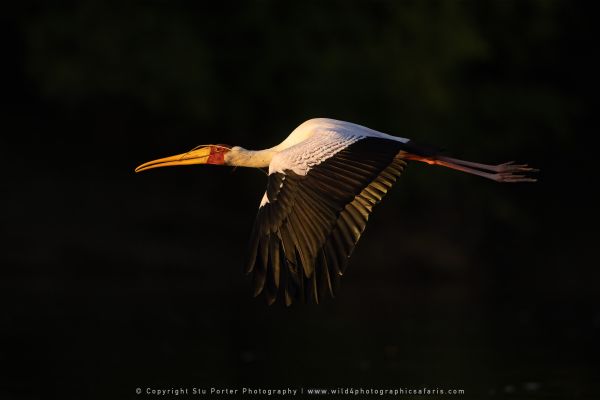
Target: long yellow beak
203, 155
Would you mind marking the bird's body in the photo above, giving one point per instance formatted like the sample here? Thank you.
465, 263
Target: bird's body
310, 135
324, 180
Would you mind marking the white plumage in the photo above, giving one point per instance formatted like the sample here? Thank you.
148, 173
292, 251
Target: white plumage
324, 180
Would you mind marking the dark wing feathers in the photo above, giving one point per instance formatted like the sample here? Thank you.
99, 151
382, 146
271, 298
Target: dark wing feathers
305, 233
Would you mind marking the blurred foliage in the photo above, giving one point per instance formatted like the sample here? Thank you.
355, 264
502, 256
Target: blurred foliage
401, 66
457, 280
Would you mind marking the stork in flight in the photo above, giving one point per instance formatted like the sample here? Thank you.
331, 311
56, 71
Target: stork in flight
324, 180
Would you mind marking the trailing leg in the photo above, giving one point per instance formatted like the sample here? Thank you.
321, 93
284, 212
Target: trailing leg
506, 172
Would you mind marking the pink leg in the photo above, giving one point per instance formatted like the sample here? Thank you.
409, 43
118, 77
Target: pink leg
506, 167
506, 172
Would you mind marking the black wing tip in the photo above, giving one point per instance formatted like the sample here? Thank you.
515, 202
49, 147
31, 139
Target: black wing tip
284, 298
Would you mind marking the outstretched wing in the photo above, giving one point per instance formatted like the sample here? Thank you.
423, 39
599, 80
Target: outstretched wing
319, 196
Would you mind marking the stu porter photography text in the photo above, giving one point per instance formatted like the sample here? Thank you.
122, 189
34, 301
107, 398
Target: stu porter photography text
348, 391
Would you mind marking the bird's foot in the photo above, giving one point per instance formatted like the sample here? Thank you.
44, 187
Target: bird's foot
507, 177
511, 167
511, 172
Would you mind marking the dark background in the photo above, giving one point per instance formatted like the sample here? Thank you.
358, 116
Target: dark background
111, 281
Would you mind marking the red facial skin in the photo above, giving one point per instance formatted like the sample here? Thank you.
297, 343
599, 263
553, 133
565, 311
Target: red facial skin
217, 154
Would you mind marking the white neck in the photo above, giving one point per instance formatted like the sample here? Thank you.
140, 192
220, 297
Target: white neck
240, 157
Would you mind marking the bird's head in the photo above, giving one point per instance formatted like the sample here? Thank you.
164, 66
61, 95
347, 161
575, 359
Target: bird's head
204, 154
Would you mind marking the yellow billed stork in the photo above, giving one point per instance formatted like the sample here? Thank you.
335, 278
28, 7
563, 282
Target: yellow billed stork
323, 181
